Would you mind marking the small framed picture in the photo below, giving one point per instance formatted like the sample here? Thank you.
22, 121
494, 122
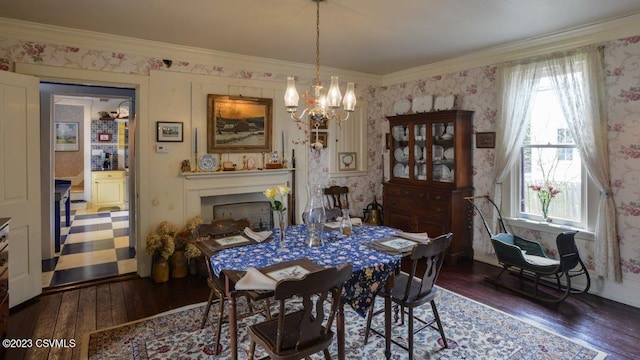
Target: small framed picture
346, 161
104, 137
486, 140
66, 134
169, 132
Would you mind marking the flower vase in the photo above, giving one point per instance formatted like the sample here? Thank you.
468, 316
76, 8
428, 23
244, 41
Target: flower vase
282, 225
179, 267
545, 211
160, 270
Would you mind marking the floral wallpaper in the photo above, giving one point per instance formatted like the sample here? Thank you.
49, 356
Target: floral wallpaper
475, 90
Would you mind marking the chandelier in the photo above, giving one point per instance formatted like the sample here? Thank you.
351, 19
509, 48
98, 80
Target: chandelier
320, 107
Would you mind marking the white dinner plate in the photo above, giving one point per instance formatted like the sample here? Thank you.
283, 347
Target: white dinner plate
422, 104
441, 173
401, 106
449, 101
417, 152
398, 170
439, 103
449, 153
399, 155
397, 132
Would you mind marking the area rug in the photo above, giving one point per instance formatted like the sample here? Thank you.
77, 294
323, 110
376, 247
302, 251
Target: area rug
473, 330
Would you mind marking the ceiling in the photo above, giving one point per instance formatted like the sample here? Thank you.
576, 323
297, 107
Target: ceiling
371, 36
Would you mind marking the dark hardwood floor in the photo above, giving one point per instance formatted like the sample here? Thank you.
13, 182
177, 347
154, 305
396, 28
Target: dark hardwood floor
606, 325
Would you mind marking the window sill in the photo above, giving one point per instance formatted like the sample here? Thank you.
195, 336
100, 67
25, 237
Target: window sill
351, 173
547, 227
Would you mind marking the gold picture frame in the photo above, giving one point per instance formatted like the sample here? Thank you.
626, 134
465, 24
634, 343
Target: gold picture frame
238, 124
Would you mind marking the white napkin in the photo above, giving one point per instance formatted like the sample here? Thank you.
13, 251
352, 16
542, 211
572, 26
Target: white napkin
333, 225
354, 221
255, 280
422, 237
257, 236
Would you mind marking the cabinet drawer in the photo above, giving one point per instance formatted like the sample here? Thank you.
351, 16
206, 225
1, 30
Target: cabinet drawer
107, 175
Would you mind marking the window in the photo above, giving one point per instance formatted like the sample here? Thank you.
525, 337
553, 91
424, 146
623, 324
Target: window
549, 158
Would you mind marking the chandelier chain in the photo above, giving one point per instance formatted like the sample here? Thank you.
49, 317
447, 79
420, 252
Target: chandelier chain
318, 42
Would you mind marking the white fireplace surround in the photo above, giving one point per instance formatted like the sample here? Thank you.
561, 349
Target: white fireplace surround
222, 186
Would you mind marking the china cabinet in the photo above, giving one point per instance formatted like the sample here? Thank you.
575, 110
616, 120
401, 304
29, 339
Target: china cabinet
431, 174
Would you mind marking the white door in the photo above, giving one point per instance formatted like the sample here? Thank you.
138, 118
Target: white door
20, 182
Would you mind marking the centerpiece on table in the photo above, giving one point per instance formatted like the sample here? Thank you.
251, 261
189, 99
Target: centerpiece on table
545, 195
276, 196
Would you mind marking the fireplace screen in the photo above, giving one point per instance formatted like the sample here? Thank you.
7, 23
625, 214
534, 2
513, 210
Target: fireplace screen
257, 212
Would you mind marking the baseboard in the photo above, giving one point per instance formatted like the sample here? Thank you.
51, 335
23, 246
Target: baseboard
625, 292
77, 196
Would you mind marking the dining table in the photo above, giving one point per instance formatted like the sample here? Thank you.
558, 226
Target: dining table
372, 268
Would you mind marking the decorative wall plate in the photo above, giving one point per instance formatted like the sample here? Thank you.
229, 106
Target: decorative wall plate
401, 106
422, 104
440, 103
208, 162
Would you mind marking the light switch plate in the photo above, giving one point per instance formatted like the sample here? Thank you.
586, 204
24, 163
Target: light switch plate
162, 148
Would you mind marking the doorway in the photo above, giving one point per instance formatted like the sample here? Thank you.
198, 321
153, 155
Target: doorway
90, 128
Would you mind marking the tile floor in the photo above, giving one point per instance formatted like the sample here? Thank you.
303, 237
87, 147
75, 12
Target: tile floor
95, 246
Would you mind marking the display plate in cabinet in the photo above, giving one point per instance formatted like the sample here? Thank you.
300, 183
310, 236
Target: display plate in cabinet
449, 153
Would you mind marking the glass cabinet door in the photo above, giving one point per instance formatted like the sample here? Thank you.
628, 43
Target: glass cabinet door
400, 151
443, 152
420, 152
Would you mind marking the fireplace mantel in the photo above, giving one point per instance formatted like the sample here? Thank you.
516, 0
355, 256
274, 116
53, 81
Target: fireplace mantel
223, 174
205, 184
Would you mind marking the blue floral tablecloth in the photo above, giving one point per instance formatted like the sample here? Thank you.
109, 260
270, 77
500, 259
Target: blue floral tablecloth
371, 268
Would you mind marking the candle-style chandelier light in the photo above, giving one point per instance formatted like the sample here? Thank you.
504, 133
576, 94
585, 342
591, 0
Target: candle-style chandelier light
320, 107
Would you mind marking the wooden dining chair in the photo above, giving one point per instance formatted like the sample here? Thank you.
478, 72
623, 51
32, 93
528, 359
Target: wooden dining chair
336, 199
416, 288
302, 330
217, 229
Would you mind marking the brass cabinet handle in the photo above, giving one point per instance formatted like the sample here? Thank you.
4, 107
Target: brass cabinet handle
438, 210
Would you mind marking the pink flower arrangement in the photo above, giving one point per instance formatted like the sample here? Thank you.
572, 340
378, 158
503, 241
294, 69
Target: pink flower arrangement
545, 194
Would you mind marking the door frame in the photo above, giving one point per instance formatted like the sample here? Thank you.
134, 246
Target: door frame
71, 94
141, 85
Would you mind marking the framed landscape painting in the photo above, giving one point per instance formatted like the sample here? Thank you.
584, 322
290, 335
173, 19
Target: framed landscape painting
169, 132
238, 124
66, 134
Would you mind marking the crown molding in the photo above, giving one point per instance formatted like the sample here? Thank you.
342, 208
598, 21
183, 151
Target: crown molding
30, 31
580, 36
566, 40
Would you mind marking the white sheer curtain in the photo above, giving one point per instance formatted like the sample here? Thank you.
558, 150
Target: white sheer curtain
515, 88
578, 81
